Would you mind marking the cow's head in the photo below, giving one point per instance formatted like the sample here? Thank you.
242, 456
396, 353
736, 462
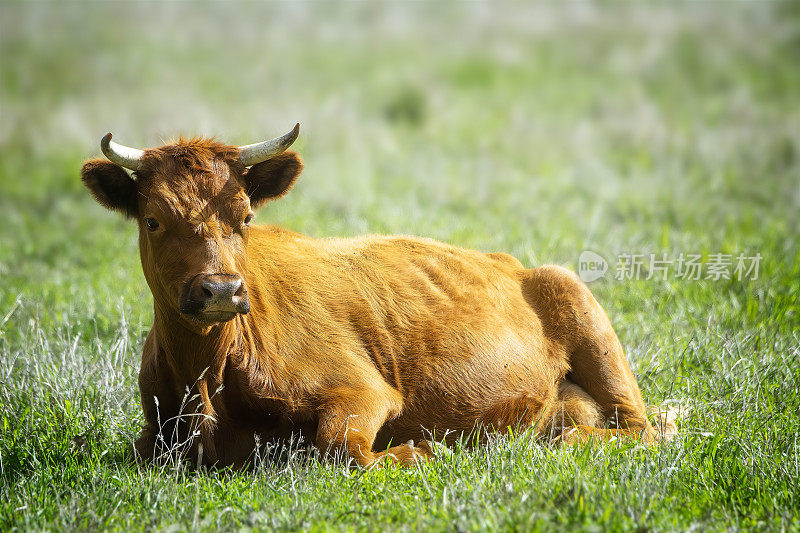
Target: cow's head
194, 201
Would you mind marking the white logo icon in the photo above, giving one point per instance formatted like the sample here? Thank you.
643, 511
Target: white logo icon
591, 266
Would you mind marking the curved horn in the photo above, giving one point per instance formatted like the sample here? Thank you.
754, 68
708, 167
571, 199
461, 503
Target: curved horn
130, 158
258, 152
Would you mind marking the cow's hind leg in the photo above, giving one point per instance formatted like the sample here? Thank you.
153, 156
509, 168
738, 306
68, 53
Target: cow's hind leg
576, 325
578, 418
573, 408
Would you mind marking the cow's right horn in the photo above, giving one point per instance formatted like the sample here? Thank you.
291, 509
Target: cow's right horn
258, 152
130, 158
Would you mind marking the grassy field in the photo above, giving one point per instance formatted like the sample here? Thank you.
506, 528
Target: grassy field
543, 132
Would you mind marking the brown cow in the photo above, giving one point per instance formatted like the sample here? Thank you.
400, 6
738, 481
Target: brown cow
358, 343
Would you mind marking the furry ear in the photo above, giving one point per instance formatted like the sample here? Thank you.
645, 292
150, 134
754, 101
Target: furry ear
272, 178
111, 186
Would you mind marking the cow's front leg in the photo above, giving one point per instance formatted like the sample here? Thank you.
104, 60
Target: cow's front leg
158, 404
406, 454
349, 421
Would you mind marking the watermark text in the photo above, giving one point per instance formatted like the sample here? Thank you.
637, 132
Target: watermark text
663, 266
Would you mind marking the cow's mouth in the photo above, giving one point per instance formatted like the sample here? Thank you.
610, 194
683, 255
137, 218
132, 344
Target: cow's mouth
215, 316
210, 316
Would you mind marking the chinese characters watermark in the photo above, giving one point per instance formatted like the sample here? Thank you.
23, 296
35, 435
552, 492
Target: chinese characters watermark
662, 266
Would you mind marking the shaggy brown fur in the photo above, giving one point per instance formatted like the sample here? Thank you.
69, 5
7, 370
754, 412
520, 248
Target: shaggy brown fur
356, 343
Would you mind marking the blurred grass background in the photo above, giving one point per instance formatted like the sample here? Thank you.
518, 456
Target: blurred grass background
540, 130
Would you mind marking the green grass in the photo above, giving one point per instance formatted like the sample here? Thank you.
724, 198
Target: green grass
541, 132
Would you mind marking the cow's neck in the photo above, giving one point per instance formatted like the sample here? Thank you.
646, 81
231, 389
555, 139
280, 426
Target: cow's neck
191, 353
197, 361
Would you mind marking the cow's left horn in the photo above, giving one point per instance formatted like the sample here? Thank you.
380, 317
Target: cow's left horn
130, 158
258, 152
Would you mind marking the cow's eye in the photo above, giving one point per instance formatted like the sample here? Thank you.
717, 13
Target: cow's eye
248, 219
152, 224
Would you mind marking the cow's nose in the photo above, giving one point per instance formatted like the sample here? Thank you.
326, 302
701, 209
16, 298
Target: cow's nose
211, 294
220, 287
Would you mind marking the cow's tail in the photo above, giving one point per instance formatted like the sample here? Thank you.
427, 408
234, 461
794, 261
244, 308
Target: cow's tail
666, 417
